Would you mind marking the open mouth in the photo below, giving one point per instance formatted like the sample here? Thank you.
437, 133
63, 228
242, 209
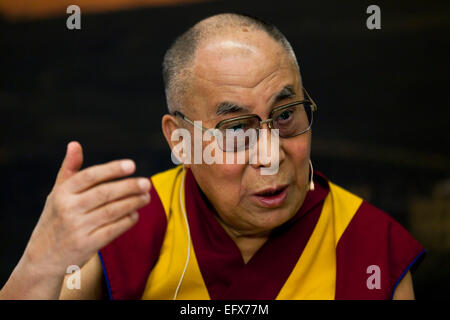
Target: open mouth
271, 198
270, 193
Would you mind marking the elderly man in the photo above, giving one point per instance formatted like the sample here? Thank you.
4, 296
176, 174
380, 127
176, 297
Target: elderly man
218, 230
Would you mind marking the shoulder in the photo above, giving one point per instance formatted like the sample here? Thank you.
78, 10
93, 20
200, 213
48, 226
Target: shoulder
369, 222
377, 229
371, 241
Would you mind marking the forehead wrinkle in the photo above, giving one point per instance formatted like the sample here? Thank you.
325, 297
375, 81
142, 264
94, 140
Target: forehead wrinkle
218, 82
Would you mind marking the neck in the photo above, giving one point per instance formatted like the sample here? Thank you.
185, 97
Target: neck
248, 244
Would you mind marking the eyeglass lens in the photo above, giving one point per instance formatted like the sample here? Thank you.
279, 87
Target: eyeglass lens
241, 134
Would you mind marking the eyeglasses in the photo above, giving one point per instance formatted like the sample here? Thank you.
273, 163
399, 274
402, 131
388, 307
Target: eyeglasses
240, 133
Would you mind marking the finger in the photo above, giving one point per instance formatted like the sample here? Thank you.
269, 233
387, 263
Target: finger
113, 211
112, 191
94, 175
104, 235
72, 162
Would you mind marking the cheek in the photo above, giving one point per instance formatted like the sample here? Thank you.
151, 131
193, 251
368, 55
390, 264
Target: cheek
228, 181
297, 152
298, 148
220, 182
232, 171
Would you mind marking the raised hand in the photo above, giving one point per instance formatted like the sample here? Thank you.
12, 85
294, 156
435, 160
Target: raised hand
85, 211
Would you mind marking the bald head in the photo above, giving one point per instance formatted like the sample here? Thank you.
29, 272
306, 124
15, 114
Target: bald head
236, 34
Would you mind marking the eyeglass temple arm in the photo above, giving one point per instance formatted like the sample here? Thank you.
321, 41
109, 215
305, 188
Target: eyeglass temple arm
314, 105
191, 122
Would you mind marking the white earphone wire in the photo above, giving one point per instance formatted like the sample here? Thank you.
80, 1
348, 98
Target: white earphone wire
183, 210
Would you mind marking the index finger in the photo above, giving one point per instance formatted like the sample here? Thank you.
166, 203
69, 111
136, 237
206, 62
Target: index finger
94, 175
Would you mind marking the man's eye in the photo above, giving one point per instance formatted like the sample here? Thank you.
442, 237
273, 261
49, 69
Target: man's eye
240, 126
285, 115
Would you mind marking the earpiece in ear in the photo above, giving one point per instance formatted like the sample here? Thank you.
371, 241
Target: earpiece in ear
311, 175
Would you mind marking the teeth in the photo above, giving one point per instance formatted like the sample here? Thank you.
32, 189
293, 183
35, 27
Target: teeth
271, 193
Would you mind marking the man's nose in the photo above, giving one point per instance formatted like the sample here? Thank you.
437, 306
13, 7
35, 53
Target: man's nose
264, 151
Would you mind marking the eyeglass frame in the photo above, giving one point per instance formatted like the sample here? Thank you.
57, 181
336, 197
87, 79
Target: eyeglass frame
269, 121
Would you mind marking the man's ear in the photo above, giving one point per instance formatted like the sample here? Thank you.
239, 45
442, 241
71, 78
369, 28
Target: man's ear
169, 125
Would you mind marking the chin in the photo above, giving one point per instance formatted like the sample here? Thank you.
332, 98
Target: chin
272, 219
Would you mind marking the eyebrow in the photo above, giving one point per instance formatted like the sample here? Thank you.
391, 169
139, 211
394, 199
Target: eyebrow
285, 93
228, 107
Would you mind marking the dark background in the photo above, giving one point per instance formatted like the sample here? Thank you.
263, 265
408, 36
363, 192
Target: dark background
382, 129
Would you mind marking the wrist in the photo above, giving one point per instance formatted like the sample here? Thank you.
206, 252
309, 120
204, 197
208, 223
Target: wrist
32, 279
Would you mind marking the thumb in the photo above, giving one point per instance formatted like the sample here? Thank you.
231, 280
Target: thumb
72, 162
